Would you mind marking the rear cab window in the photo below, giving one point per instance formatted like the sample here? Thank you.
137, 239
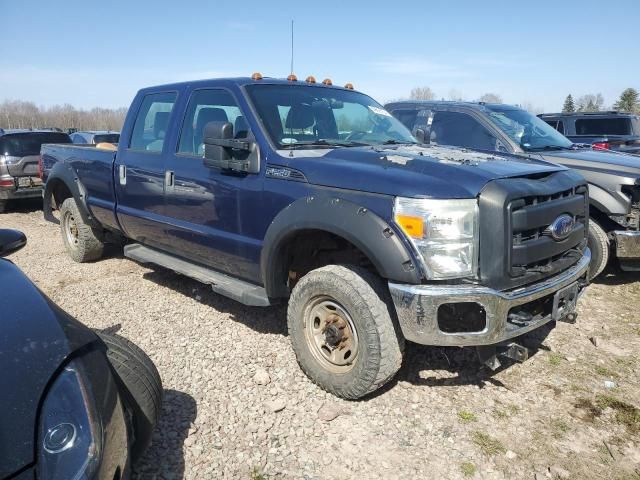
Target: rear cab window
210, 105
29, 143
152, 122
603, 126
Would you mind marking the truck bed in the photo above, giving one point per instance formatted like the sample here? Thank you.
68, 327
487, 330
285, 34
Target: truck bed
94, 169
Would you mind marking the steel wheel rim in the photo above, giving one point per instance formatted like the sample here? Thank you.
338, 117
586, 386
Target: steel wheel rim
331, 335
70, 228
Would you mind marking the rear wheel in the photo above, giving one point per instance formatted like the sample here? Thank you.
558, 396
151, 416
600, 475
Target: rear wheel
598, 243
341, 326
81, 242
140, 387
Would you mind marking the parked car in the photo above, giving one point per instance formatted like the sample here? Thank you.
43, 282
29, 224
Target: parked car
617, 131
279, 190
75, 403
95, 137
19, 154
614, 179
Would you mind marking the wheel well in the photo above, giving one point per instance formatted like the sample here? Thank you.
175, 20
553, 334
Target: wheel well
59, 193
307, 250
602, 219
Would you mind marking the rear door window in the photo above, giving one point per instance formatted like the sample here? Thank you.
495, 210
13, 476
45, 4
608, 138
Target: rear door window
461, 130
29, 143
603, 126
152, 123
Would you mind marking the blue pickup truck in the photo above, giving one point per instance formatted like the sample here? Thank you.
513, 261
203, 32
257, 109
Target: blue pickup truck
284, 190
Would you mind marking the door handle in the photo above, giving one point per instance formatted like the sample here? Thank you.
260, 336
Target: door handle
169, 179
122, 174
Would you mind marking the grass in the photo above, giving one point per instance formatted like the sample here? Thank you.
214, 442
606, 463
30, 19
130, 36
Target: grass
466, 416
605, 372
488, 445
555, 359
626, 414
511, 409
256, 474
468, 469
559, 427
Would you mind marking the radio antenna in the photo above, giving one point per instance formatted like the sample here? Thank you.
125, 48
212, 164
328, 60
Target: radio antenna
292, 46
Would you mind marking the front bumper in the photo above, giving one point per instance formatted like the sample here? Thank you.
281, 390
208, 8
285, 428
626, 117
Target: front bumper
417, 307
627, 244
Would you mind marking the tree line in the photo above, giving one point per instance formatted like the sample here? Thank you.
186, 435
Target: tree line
629, 101
20, 114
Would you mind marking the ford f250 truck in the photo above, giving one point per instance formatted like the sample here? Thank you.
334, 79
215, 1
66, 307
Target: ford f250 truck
614, 178
282, 190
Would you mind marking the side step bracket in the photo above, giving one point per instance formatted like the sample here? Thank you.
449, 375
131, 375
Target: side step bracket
239, 290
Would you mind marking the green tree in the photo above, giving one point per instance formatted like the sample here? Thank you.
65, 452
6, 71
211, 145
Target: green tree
569, 106
628, 101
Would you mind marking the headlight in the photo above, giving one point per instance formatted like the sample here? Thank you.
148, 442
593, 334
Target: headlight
69, 434
445, 233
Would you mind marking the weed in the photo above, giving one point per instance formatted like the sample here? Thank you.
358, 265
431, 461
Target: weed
256, 474
488, 445
559, 427
466, 416
605, 372
468, 469
555, 359
626, 414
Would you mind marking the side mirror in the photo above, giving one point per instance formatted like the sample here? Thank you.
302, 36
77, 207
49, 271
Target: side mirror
222, 150
11, 241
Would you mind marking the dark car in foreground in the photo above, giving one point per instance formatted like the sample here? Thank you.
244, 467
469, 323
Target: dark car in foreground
617, 131
95, 137
614, 179
19, 155
76, 404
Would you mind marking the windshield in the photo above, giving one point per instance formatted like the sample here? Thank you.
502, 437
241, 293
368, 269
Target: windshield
528, 131
24, 144
299, 116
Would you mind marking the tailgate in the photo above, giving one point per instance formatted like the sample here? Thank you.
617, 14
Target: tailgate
23, 166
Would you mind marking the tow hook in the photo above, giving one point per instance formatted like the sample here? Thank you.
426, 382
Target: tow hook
488, 355
569, 318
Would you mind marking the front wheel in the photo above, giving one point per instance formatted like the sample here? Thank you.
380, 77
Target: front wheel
598, 243
342, 329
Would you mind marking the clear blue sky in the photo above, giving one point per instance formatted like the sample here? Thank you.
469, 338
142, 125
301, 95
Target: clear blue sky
91, 53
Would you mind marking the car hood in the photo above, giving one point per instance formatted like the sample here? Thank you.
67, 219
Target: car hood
412, 170
606, 162
36, 337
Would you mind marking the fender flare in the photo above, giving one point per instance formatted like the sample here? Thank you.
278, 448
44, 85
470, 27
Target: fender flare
603, 201
62, 173
355, 223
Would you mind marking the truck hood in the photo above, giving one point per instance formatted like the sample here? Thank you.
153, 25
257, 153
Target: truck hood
604, 162
411, 170
36, 336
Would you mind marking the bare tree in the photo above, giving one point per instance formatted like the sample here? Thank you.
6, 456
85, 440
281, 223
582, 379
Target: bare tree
20, 114
456, 95
422, 93
590, 102
490, 98
531, 108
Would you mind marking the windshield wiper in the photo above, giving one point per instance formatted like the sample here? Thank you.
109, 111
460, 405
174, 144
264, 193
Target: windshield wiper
398, 142
548, 147
324, 143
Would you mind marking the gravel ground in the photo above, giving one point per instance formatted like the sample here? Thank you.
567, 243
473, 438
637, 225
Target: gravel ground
237, 406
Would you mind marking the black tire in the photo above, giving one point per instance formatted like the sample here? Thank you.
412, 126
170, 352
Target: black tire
140, 388
366, 300
81, 242
598, 243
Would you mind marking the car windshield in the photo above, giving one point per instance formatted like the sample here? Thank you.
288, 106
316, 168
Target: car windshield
302, 116
29, 143
528, 131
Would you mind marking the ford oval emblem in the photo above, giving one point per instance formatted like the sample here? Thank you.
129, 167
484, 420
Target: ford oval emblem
562, 227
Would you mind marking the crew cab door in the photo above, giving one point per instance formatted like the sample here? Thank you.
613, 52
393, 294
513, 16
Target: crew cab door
140, 171
213, 211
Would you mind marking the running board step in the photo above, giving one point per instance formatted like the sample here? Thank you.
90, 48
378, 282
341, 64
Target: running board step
243, 292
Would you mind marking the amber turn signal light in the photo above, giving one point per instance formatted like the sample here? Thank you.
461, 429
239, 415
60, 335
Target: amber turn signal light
412, 226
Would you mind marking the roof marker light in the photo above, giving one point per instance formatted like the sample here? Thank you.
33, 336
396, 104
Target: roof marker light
256, 76
327, 81
310, 79
349, 86
292, 78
